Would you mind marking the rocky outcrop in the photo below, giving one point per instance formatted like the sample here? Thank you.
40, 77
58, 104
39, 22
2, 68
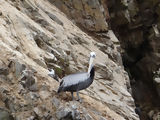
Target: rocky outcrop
36, 36
90, 15
136, 23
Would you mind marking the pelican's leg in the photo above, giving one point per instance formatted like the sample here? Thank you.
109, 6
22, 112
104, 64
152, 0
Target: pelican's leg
79, 99
72, 96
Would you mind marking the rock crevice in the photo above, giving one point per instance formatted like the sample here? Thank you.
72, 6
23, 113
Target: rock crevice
137, 25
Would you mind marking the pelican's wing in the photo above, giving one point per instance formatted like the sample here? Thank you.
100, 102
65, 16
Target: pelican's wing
74, 79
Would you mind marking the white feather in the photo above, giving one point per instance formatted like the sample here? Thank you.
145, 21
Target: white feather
51, 73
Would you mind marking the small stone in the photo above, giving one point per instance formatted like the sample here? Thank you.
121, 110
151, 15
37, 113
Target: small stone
64, 113
33, 87
17, 67
54, 18
44, 94
101, 45
156, 116
150, 114
76, 114
4, 71
102, 118
34, 95
52, 118
38, 112
28, 80
157, 80
31, 118
46, 115
55, 102
21, 89
4, 90
4, 115
74, 106
88, 117
41, 62
157, 84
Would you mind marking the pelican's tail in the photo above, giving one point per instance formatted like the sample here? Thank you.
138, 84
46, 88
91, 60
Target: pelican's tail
59, 89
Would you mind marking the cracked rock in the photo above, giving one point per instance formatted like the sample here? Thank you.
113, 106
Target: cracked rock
28, 80
5, 115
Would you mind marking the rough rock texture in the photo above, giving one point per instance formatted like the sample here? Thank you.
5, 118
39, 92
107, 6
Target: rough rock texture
137, 25
35, 36
91, 16
88, 14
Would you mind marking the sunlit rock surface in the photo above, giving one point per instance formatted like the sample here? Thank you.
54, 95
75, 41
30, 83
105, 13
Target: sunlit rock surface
36, 36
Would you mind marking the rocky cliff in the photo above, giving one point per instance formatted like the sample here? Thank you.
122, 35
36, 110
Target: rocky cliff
35, 35
137, 24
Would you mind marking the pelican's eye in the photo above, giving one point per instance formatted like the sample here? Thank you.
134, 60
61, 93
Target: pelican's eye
94, 56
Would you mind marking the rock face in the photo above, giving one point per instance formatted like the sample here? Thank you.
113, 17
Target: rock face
5, 115
137, 25
88, 14
36, 36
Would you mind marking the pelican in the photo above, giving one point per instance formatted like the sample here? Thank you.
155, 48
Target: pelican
78, 81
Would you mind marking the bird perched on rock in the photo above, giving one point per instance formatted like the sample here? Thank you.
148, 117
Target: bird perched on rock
53, 74
78, 81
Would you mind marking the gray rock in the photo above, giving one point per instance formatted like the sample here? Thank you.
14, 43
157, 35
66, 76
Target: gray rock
76, 115
150, 114
55, 102
41, 62
5, 115
156, 116
54, 18
4, 90
31, 118
10, 105
68, 113
64, 113
21, 89
34, 95
157, 83
17, 67
38, 112
88, 117
33, 87
52, 118
28, 80
4, 71
44, 94
102, 118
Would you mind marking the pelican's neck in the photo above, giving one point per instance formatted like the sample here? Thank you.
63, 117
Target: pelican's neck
90, 64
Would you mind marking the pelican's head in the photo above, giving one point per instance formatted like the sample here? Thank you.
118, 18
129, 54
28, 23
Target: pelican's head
92, 54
